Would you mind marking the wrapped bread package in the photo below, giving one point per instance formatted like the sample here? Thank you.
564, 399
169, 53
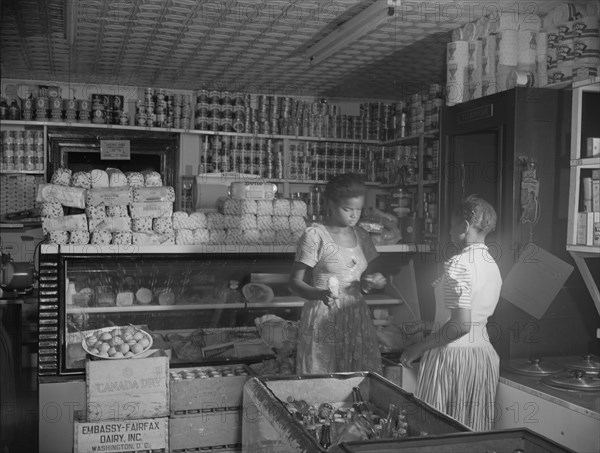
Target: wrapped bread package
76, 222
281, 222
231, 221
115, 224
117, 211
153, 239
281, 207
52, 209
116, 178
124, 299
154, 209
152, 179
264, 207
249, 207
184, 237
58, 237
201, 236
264, 222
217, 236
99, 179
248, 222
267, 236
162, 225
73, 197
250, 236
101, 237
234, 237
283, 237
297, 223
62, 177
79, 237
135, 179
82, 179
141, 225
197, 220
181, 220
298, 208
215, 221
109, 196
96, 212
152, 194
122, 238
229, 206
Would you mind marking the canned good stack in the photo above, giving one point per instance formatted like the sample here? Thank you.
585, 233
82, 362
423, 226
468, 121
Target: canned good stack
108, 109
316, 161
157, 109
22, 151
179, 107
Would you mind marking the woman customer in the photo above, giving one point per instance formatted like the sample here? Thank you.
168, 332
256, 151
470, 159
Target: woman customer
459, 370
336, 330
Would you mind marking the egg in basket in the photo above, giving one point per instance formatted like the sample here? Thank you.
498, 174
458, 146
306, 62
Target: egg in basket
126, 342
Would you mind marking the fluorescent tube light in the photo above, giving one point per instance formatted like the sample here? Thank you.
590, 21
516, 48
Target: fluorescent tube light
351, 30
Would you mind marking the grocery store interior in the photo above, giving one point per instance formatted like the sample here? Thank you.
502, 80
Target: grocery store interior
161, 159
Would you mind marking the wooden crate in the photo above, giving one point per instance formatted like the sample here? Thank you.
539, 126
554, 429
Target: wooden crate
127, 389
207, 394
219, 430
149, 434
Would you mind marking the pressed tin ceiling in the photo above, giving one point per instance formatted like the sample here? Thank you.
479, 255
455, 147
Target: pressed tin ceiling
246, 45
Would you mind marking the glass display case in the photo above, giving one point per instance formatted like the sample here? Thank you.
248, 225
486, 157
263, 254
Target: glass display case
199, 303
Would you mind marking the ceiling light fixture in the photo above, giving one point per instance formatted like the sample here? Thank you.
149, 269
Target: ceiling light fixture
351, 30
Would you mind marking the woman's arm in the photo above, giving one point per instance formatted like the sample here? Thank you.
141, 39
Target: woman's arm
303, 289
457, 326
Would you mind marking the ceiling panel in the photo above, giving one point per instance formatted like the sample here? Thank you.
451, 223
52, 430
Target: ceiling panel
254, 43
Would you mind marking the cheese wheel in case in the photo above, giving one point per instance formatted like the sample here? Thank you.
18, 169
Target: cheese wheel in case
143, 296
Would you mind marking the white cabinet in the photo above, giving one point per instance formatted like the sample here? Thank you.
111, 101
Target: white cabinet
519, 409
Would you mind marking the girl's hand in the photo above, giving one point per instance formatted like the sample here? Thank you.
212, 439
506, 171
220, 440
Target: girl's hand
411, 354
373, 281
328, 298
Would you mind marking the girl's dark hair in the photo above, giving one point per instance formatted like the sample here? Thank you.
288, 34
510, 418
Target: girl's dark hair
346, 185
478, 212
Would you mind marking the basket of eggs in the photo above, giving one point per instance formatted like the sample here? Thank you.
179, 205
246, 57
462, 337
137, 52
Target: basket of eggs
126, 342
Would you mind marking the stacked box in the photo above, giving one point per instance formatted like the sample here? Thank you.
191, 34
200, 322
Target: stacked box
206, 408
127, 406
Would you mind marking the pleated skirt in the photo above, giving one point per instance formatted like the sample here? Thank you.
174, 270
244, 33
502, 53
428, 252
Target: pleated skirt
461, 382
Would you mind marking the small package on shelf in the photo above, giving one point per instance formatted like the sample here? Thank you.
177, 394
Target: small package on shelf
96, 212
115, 224
264, 207
217, 236
122, 238
249, 207
152, 239
264, 222
117, 211
197, 220
298, 208
215, 221
229, 206
280, 222
101, 237
281, 207
79, 237
297, 223
162, 225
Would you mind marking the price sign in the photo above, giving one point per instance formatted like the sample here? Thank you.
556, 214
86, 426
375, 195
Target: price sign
114, 150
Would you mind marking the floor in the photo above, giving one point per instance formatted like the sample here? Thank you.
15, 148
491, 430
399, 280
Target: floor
25, 414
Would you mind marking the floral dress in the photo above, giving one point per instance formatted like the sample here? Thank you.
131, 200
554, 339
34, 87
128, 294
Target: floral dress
340, 338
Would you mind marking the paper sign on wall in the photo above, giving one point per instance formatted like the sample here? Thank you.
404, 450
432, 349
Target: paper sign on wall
534, 280
114, 150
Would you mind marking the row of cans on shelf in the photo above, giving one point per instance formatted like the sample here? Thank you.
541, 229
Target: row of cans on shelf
206, 372
22, 151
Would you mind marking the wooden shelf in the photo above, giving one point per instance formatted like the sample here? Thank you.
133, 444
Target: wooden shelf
411, 138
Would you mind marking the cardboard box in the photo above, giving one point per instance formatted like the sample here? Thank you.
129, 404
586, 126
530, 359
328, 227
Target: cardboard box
127, 389
150, 434
219, 430
194, 390
581, 228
